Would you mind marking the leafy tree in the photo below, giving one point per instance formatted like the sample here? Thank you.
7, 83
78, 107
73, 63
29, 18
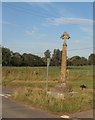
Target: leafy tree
39, 61
6, 56
69, 63
75, 60
25, 59
32, 60
16, 59
84, 61
47, 54
0, 54
56, 57
91, 59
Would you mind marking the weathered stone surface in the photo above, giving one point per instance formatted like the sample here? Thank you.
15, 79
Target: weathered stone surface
56, 95
64, 88
65, 36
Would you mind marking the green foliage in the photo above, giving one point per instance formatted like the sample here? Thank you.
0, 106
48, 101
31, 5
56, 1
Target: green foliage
77, 61
6, 56
32, 84
0, 55
56, 57
38, 98
23, 73
91, 59
47, 54
31, 60
36, 76
10, 58
16, 59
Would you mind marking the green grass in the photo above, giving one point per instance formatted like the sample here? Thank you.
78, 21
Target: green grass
38, 98
81, 67
26, 76
33, 87
23, 73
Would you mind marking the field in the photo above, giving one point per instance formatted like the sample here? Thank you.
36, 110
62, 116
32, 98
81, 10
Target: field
36, 76
31, 85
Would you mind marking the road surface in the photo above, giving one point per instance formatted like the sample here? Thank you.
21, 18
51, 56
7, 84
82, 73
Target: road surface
12, 109
85, 114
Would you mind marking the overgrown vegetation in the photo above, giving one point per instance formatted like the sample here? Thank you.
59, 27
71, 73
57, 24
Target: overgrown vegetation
36, 76
31, 85
38, 98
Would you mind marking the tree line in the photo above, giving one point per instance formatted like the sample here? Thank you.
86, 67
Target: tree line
10, 58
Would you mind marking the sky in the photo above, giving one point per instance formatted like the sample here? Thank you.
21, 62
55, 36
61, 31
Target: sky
34, 27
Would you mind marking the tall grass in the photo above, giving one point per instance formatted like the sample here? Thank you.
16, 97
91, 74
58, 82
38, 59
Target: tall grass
23, 73
35, 78
39, 98
32, 76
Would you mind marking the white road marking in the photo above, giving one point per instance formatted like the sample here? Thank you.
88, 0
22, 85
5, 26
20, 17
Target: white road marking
65, 116
1, 94
5, 95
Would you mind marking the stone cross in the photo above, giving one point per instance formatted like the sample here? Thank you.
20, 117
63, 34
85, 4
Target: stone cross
65, 37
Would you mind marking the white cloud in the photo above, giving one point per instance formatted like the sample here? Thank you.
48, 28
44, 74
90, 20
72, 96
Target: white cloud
32, 32
35, 33
44, 5
87, 30
62, 20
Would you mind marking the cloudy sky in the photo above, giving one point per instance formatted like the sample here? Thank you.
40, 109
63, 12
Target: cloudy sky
35, 27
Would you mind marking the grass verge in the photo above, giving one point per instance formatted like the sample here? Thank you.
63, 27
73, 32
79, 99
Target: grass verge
80, 101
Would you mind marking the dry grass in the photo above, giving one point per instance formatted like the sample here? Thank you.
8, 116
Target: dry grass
35, 78
38, 98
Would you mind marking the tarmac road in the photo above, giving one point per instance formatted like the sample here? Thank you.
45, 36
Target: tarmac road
13, 109
84, 114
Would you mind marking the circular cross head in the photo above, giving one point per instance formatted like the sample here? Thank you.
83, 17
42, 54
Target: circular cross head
65, 36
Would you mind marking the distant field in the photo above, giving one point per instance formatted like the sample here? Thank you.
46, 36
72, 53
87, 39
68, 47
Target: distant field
31, 85
36, 76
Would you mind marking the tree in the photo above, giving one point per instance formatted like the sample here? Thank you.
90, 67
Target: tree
0, 55
29, 60
75, 60
39, 61
47, 54
16, 59
6, 56
91, 59
10, 58
56, 57
32, 60
84, 61
69, 63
